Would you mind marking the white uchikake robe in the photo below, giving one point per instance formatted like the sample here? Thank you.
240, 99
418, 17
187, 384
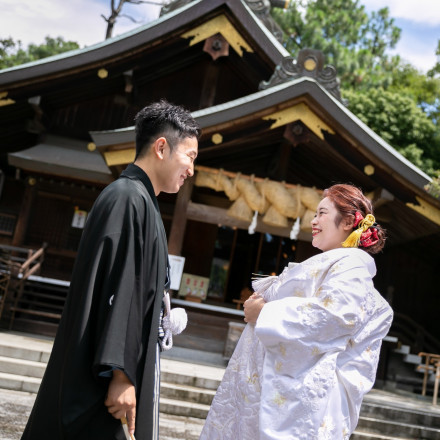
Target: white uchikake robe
301, 372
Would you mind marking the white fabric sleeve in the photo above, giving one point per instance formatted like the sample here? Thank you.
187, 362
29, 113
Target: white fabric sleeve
325, 320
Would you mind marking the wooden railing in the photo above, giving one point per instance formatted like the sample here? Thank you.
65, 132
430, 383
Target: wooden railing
16, 266
413, 334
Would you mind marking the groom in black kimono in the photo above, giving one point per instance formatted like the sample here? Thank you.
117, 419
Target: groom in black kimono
104, 362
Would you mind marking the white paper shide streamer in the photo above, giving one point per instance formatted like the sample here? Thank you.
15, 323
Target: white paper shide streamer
295, 229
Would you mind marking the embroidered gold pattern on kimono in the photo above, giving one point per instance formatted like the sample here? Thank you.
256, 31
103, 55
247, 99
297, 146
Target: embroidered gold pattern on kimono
279, 399
310, 353
327, 301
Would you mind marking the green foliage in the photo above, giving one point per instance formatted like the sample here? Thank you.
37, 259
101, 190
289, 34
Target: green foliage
12, 53
393, 98
423, 89
398, 120
353, 42
436, 69
433, 187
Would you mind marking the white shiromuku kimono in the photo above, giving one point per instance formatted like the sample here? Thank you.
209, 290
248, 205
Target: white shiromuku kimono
302, 370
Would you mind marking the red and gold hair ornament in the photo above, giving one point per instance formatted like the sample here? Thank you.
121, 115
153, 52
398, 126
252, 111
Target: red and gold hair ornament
362, 236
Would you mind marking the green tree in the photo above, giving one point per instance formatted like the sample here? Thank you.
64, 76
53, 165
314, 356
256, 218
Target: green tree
398, 120
436, 69
12, 52
424, 89
393, 98
353, 42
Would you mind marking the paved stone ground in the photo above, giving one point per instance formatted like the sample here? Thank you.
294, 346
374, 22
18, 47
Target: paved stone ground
15, 407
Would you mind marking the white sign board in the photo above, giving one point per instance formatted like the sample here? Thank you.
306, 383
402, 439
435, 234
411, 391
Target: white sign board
176, 270
79, 219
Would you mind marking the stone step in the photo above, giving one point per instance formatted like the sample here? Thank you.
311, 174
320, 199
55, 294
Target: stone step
412, 359
186, 393
22, 367
173, 427
404, 415
359, 435
185, 373
182, 408
390, 427
187, 390
17, 352
16, 382
403, 349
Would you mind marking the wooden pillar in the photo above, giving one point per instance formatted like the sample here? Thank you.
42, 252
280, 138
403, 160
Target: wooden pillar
209, 86
23, 217
178, 225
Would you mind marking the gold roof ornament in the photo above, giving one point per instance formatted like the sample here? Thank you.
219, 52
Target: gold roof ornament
219, 25
299, 112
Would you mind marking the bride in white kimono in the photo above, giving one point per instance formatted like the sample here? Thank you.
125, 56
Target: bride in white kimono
311, 347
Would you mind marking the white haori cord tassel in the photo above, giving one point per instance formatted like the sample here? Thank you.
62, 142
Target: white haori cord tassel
173, 323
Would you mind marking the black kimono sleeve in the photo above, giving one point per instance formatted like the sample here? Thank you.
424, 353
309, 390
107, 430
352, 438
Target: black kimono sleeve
126, 287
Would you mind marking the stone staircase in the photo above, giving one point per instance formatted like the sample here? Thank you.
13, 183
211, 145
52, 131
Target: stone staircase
187, 390
403, 371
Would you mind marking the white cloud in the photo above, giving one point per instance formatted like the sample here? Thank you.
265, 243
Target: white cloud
80, 20
30, 21
420, 11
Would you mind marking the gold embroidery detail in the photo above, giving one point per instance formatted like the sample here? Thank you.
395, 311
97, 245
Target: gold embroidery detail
327, 301
309, 305
279, 399
319, 291
298, 292
282, 349
334, 268
315, 351
314, 273
278, 366
252, 379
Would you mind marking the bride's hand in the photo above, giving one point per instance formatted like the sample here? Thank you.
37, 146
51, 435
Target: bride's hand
252, 308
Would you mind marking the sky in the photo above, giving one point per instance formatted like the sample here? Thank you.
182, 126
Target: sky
80, 20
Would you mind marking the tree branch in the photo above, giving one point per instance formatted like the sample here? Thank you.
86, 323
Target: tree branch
129, 17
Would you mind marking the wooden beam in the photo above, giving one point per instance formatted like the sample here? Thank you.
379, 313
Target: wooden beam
209, 87
23, 218
178, 225
219, 216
